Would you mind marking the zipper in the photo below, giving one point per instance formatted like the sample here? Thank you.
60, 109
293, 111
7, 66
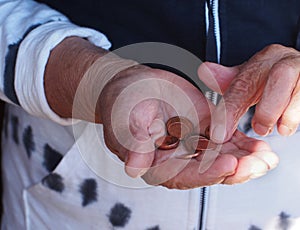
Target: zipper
215, 13
211, 9
204, 204
213, 27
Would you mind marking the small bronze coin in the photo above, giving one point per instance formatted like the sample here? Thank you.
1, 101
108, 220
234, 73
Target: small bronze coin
197, 143
167, 142
179, 127
207, 132
189, 155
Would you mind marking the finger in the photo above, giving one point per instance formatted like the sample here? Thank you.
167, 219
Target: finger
249, 167
244, 91
253, 145
216, 77
290, 119
249, 144
137, 164
188, 176
140, 152
276, 96
220, 123
270, 158
228, 147
165, 166
157, 129
223, 166
239, 153
143, 128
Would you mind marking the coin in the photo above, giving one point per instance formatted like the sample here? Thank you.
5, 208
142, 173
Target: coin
207, 132
167, 142
197, 143
188, 155
179, 127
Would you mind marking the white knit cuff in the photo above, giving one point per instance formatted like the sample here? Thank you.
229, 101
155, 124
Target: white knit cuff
31, 61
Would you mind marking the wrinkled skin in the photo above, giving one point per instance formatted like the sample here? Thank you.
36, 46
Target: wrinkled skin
269, 80
241, 158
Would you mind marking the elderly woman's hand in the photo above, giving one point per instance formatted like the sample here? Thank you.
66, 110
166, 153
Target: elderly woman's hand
269, 80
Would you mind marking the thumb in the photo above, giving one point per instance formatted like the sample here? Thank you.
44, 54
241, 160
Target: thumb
137, 164
140, 155
225, 118
217, 77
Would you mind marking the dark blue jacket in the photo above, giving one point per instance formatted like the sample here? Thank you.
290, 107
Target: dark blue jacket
246, 25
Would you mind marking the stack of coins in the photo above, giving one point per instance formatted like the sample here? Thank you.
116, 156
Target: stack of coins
180, 129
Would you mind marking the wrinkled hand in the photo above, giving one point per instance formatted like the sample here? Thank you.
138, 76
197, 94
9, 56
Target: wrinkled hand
269, 80
134, 108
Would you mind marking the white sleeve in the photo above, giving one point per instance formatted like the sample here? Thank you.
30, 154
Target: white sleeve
28, 32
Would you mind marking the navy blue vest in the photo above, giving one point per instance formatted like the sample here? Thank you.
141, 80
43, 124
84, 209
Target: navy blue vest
246, 26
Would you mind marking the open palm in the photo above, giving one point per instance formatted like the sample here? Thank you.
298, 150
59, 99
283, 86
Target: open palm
134, 108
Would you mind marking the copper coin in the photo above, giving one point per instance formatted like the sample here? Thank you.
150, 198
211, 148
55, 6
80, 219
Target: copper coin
189, 155
207, 132
197, 143
167, 142
179, 127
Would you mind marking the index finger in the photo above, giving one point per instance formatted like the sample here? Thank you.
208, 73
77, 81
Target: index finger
244, 91
277, 94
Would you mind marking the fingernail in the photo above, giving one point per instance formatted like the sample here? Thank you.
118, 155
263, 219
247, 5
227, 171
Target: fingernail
262, 129
142, 172
257, 175
218, 134
285, 130
273, 164
131, 172
135, 172
259, 170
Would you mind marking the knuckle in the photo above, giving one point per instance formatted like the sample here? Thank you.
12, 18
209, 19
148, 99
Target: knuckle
241, 86
286, 70
265, 116
284, 65
279, 51
271, 49
275, 47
